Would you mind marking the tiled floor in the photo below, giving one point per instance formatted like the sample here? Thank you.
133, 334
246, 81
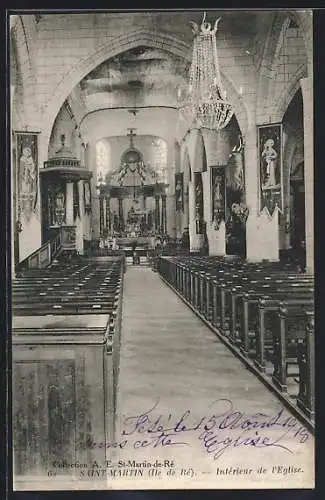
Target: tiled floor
170, 359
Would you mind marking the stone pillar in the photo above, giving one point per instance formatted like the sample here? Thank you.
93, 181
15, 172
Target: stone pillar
101, 215
186, 211
108, 213
120, 214
157, 213
307, 96
104, 213
171, 216
196, 240
80, 238
163, 214
69, 204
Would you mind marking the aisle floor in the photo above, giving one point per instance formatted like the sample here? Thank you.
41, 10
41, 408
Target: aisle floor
172, 363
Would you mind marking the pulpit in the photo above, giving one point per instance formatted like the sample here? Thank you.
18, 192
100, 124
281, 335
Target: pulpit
63, 187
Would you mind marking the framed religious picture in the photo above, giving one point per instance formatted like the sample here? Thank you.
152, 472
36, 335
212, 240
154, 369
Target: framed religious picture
26, 173
179, 191
218, 201
270, 166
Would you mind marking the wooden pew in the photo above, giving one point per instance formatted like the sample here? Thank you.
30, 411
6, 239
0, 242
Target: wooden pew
290, 327
62, 391
269, 306
306, 362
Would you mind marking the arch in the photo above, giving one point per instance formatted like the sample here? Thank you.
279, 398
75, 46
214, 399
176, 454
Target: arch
271, 42
304, 21
266, 85
116, 45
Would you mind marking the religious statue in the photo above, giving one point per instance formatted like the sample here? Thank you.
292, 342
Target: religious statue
217, 201
269, 155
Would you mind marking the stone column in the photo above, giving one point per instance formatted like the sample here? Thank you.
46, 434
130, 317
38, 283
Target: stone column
108, 213
120, 214
307, 96
171, 216
80, 238
13, 191
196, 240
104, 213
101, 214
163, 214
186, 211
69, 204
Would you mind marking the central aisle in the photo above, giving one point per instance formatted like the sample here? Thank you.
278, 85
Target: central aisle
170, 359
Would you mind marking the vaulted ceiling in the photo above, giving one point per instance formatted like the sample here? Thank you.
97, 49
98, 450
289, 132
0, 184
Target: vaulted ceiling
137, 77
147, 78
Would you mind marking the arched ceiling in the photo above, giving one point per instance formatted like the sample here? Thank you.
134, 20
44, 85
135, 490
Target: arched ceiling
137, 77
148, 78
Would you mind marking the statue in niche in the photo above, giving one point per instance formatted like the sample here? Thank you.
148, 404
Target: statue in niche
217, 200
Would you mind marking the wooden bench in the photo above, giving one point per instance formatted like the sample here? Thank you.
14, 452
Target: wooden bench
63, 391
306, 363
290, 328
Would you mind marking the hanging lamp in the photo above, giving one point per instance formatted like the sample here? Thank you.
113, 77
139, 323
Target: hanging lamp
205, 103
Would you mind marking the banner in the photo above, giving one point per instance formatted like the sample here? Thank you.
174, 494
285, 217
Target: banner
270, 166
27, 173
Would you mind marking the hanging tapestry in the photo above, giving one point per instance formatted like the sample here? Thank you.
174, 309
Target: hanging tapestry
27, 173
217, 177
179, 191
270, 166
198, 186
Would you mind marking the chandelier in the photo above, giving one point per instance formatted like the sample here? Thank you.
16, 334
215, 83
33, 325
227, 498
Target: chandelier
205, 103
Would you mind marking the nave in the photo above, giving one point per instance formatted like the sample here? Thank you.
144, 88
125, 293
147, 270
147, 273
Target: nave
162, 248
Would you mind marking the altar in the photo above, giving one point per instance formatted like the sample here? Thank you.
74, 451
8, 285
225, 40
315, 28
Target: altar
132, 203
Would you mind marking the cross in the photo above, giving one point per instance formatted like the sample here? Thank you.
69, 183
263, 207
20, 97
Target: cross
131, 134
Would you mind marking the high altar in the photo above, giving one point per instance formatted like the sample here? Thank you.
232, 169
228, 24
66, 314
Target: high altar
132, 199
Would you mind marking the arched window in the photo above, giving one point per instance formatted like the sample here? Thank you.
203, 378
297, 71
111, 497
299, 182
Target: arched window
160, 159
103, 160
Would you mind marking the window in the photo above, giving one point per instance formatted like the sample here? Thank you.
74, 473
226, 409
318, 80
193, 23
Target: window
103, 160
160, 159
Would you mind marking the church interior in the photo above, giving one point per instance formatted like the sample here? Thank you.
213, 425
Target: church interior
162, 229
